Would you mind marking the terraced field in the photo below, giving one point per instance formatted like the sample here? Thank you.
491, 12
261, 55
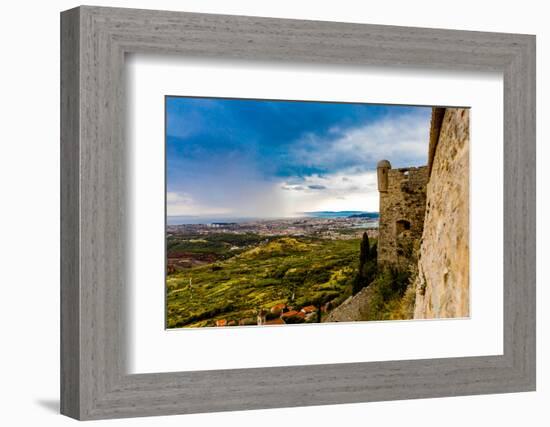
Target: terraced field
295, 271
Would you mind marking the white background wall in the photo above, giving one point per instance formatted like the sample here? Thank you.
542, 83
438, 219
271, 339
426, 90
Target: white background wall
29, 212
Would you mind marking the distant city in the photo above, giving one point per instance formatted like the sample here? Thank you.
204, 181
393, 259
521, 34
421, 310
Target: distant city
325, 224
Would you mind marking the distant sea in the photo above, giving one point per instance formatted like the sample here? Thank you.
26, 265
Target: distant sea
180, 220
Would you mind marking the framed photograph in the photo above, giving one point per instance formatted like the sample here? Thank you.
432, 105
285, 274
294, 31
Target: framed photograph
261, 213
279, 213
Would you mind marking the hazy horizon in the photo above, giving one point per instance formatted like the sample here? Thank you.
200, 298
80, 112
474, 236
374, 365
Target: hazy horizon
197, 219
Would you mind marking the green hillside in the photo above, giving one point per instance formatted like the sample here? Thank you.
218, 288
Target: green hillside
298, 271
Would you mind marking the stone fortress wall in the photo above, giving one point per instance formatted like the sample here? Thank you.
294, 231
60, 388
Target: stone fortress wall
402, 212
443, 281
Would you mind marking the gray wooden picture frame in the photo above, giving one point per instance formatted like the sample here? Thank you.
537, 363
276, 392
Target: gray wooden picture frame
94, 381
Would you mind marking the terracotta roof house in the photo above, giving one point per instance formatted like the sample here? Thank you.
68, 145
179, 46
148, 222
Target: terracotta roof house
309, 309
279, 308
221, 322
289, 314
293, 316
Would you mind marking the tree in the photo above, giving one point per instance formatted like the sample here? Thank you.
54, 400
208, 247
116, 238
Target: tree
364, 251
373, 251
367, 265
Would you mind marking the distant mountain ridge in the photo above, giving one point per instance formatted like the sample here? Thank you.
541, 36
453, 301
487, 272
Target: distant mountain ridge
372, 215
343, 214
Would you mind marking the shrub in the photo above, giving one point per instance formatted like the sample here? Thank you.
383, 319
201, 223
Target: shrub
270, 316
317, 276
388, 290
264, 283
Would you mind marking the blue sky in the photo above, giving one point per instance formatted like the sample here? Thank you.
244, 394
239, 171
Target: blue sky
254, 158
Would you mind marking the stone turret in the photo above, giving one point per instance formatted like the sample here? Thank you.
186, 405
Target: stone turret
382, 169
402, 210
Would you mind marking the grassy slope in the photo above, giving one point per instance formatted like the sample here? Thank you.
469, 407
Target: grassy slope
315, 270
218, 244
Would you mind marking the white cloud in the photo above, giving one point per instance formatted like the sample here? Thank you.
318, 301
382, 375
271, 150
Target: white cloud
403, 140
345, 190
